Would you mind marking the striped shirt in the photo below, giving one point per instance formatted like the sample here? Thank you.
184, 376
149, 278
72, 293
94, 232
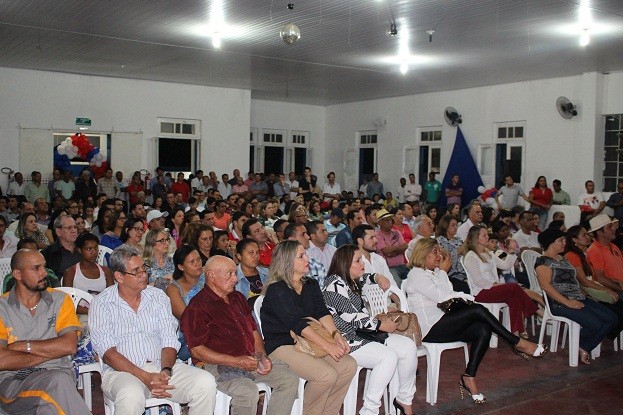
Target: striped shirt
139, 336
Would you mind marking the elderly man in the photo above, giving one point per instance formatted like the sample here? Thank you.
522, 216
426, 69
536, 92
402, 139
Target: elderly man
133, 330
319, 249
391, 246
604, 256
239, 360
298, 233
424, 228
38, 334
474, 217
62, 254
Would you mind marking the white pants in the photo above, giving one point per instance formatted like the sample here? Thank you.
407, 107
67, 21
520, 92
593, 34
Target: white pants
399, 353
192, 385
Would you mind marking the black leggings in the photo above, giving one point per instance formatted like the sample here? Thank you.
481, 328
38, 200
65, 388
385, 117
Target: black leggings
473, 324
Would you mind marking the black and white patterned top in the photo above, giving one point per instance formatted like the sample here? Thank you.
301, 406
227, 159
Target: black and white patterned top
563, 278
348, 309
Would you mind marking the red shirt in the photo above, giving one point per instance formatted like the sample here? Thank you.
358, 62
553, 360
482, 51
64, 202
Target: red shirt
132, 190
266, 254
405, 231
183, 188
543, 196
223, 327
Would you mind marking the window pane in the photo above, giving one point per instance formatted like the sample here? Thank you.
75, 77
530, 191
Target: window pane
437, 135
178, 128
610, 169
518, 131
166, 127
486, 158
267, 138
279, 138
612, 138
611, 154
612, 122
188, 129
502, 132
610, 185
174, 154
251, 136
424, 136
373, 139
435, 159
511, 131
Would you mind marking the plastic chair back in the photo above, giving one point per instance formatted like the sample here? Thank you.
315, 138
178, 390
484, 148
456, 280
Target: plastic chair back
5, 269
529, 258
257, 306
76, 295
103, 253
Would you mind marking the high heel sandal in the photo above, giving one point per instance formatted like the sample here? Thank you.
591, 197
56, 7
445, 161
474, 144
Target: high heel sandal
540, 351
478, 398
399, 409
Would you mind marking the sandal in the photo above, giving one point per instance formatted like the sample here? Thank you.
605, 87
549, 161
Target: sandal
478, 398
540, 351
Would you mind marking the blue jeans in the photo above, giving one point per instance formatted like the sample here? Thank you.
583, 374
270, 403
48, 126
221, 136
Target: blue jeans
596, 321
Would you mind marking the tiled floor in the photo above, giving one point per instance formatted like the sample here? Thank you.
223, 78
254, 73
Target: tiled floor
515, 386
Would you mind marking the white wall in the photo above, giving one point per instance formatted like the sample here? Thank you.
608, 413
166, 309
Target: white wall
288, 116
53, 100
570, 150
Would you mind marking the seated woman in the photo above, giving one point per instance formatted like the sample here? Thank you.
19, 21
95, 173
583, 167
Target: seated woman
405, 230
132, 233
157, 258
426, 286
202, 238
446, 236
176, 222
8, 242
577, 242
101, 224
431, 212
558, 281
251, 279
481, 267
188, 280
27, 227
315, 212
111, 239
80, 224
222, 245
342, 294
87, 275
289, 300
268, 210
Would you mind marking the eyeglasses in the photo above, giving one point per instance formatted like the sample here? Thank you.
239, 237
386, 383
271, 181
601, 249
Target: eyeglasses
137, 271
68, 227
163, 240
139, 229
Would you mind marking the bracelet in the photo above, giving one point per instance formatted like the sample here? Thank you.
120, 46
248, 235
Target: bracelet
170, 370
28, 346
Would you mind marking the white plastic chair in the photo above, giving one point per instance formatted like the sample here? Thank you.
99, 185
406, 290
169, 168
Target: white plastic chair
529, 258
84, 371
378, 300
297, 407
101, 255
5, 268
494, 308
223, 401
574, 333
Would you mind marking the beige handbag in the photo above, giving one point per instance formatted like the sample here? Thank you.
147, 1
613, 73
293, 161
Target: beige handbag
408, 324
303, 345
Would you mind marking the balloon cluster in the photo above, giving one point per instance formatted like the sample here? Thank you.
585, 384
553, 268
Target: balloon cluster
79, 145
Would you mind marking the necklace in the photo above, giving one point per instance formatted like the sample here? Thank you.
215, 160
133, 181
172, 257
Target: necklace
34, 307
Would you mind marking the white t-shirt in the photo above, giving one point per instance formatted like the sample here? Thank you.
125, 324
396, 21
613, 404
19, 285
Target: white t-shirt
593, 200
527, 241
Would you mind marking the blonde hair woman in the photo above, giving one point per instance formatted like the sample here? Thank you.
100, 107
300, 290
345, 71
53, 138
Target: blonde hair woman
289, 300
426, 286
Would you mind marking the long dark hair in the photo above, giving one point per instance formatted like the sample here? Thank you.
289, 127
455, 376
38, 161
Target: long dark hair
570, 246
340, 265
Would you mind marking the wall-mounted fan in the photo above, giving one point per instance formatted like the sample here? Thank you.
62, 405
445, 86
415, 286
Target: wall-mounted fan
565, 108
452, 116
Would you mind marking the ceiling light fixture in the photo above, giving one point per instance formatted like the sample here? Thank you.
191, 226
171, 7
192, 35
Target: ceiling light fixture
393, 29
586, 21
216, 40
404, 68
585, 39
430, 35
290, 33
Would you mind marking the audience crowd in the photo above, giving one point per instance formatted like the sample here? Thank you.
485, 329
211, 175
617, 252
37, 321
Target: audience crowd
186, 259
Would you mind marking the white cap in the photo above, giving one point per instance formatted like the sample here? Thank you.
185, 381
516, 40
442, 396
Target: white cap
155, 214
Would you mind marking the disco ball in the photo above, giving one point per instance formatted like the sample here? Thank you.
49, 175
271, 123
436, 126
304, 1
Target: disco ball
290, 33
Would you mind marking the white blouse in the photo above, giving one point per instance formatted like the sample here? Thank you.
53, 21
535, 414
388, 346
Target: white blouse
424, 289
483, 275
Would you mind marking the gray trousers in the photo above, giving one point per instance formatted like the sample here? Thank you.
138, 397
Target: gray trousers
245, 395
48, 392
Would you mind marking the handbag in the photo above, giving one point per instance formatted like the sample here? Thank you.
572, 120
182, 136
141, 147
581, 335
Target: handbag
303, 345
408, 324
454, 304
372, 335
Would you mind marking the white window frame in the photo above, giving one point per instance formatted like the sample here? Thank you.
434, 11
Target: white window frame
438, 144
196, 136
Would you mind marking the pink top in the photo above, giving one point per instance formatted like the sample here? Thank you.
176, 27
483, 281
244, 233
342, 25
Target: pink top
391, 239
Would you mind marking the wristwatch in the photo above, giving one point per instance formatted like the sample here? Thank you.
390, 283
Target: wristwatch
28, 346
168, 369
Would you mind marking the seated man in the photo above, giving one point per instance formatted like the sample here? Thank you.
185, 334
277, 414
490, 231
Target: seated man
36, 376
603, 255
235, 361
135, 332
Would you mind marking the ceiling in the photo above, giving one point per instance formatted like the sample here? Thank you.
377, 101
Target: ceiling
344, 53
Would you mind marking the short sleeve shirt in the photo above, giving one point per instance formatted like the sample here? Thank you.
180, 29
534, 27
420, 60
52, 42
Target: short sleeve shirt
606, 258
54, 316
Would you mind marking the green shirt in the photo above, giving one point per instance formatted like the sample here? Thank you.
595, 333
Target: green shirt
433, 189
